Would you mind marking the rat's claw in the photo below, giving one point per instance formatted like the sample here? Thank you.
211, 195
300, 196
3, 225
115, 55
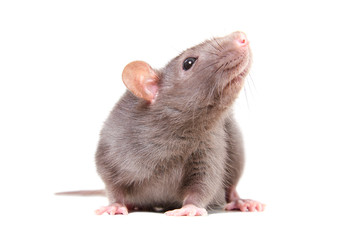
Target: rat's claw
113, 209
187, 210
245, 205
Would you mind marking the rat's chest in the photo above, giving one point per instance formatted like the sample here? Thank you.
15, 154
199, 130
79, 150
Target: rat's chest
165, 179
161, 184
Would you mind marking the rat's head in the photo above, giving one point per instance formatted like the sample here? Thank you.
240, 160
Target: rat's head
209, 74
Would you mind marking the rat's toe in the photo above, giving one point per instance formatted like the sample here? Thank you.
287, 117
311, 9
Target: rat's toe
245, 205
113, 209
187, 210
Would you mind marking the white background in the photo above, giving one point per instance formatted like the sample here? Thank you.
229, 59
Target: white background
60, 73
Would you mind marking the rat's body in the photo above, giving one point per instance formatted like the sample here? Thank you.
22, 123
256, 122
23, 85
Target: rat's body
171, 140
156, 160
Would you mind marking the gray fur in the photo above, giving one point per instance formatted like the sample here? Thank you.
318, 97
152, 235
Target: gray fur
184, 145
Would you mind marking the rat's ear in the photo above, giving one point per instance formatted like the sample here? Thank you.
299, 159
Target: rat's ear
141, 80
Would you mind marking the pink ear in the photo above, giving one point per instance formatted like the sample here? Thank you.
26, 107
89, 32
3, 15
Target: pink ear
141, 80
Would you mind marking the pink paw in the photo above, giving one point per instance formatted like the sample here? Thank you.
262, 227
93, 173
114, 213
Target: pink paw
113, 209
187, 210
245, 205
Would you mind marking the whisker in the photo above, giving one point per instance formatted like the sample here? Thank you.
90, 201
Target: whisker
212, 92
252, 81
218, 44
249, 86
213, 53
220, 92
219, 68
212, 45
215, 85
212, 64
227, 64
247, 100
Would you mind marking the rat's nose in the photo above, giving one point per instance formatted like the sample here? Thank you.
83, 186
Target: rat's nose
240, 39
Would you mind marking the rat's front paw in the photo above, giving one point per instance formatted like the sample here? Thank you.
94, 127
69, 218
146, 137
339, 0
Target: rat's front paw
113, 209
245, 205
187, 210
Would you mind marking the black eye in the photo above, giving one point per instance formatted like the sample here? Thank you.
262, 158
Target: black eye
188, 63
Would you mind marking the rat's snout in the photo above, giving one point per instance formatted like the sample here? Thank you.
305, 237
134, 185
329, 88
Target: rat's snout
240, 39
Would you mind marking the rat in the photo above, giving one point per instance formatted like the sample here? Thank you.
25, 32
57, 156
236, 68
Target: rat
171, 141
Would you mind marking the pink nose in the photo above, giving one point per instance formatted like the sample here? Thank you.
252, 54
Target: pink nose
241, 39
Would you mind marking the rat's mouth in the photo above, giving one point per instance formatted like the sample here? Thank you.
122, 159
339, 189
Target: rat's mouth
238, 80
237, 68
235, 84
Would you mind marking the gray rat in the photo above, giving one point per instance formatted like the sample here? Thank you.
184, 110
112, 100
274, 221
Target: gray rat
171, 141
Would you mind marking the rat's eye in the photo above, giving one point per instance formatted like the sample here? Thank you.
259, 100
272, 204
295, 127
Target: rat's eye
188, 63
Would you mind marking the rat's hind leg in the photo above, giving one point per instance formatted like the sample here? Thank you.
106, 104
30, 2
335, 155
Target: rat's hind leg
244, 205
116, 200
234, 169
113, 209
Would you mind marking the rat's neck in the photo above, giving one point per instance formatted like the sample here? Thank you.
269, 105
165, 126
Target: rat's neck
175, 120
194, 122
